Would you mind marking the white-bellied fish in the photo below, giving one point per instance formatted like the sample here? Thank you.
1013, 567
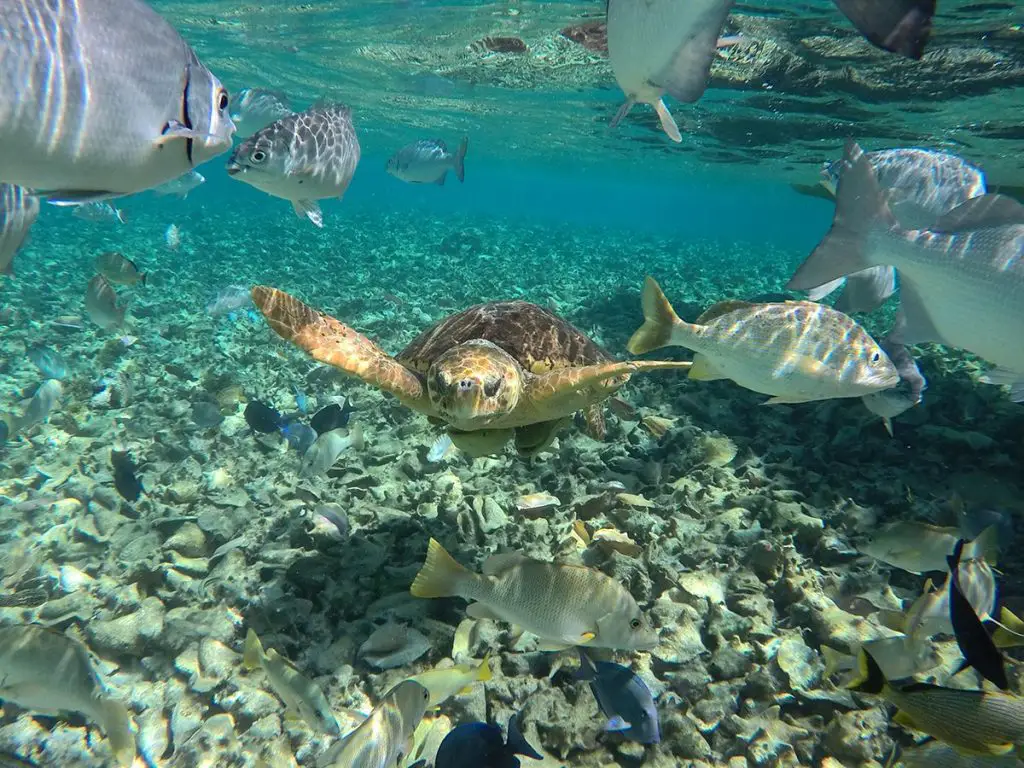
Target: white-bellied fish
18, 212
302, 697
445, 682
46, 396
301, 158
663, 46
385, 737
974, 722
921, 185
99, 213
795, 351
182, 185
920, 547
898, 26
890, 403
326, 449
50, 673
564, 605
961, 282
103, 98
118, 268
428, 161
102, 305
256, 108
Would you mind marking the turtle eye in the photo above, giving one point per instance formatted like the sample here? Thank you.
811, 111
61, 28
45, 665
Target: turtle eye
491, 387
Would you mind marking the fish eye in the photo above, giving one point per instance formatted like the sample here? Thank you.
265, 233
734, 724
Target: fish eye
875, 358
634, 624
258, 156
491, 387
222, 102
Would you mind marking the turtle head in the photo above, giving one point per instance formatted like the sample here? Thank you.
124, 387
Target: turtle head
474, 384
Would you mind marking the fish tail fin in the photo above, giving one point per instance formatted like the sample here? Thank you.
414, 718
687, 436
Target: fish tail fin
441, 574
668, 123
627, 105
517, 743
460, 159
833, 660
860, 211
116, 723
660, 321
356, 436
253, 654
870, 678
985, 545
483, 672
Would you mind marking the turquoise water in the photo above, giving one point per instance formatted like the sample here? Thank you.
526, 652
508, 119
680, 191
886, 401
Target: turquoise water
741, 530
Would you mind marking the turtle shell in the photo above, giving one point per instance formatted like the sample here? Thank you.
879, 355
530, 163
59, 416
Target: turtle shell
536, 337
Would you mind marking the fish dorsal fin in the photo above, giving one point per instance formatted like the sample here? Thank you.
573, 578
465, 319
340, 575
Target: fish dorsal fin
722, 308
981, 212
495, 565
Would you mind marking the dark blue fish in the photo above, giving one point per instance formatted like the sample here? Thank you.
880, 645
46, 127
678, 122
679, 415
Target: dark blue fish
975, 642
126, 480
332, 416
299, 436
206, 414
262, 418
49, 362
480, 745
624, 698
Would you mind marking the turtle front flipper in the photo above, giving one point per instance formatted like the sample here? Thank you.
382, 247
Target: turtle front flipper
564, 391
332, 342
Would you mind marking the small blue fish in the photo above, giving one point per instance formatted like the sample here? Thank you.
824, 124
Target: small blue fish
480, 745
49, 362
299, 436
301, 401
624, 698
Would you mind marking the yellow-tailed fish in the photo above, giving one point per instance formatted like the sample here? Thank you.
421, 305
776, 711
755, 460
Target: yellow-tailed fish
795, 351
48, 672
302, 697
384, 739
564, 605
445, 682
973, 722
1009, 631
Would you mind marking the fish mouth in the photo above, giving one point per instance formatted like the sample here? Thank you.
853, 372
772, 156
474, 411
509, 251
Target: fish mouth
234, 169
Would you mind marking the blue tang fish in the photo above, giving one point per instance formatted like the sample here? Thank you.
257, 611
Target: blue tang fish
480, 745
624, 698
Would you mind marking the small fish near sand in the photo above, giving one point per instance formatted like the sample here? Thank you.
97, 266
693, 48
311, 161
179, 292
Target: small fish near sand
382, 740
99, 213
102, 305
445, 682
327, 449
797, 352
49, 673
50, 362
301, 158
181, 186
38, 409
263, 418
126, 479
119, 269
564, 605
135, 107
333, 416
302, 697
428, 161
663, 46
482, 745
623, 697
18, 212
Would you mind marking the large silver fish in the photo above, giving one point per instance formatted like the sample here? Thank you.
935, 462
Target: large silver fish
102, 98
961, 282
384, 738
663, 46
101, 304
18, 212
302, 158
921, 185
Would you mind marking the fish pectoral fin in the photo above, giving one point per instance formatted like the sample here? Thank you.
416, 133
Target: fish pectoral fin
481, 611
617, 723
552, 646
176, 130
668, 123
783, 400
586, 637
310, 209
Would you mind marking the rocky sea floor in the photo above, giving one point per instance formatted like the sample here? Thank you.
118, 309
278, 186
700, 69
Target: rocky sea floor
745, 518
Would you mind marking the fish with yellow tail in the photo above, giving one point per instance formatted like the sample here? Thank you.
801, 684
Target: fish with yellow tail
795, 351
302, 697
445, 682
384, 738
972, 722
564, 605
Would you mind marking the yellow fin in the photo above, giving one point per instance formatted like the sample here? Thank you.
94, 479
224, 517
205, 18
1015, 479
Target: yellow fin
440, 574
702, 370
1009, 631
586, 637
483, 672
253, 654
902, 718
659, 320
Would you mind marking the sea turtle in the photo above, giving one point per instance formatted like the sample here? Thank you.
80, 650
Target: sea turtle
489, 373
